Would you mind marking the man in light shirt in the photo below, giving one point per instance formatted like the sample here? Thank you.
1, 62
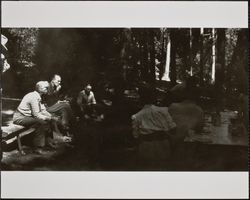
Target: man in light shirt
154, 129
151, 118
32, 113
86, 100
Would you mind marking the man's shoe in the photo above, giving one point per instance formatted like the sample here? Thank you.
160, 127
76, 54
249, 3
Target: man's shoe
67, 139
40, 151
51, 145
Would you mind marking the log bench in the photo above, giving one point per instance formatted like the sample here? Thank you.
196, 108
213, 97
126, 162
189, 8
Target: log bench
14, 132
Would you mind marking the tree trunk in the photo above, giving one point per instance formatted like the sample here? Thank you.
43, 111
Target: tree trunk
145, 68
239, 63
173, 56
201, 57
163, 54
152, 57
124, 55
166, 73
186, 54
219, 69
195, 51
191, 57
221, 40
213, 57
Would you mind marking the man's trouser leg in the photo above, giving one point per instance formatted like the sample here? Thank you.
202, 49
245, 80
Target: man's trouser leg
42, 128
64, 110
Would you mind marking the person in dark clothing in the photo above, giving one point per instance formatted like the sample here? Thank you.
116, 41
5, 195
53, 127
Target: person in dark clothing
55, 105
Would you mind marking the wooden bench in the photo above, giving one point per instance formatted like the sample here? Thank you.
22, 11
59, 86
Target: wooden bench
14, 132
11, 132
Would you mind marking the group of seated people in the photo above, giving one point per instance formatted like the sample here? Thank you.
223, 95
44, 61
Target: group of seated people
44, 110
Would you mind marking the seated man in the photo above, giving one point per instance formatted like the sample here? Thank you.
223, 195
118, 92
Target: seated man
32, 113
86, 101
153, 126
56, 106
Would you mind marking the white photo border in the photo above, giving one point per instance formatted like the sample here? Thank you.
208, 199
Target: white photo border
68, 14
219, 14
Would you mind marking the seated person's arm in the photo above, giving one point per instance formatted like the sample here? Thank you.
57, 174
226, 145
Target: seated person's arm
58, 88
67, 98
35, 111
44, 111
92, 99
62, 97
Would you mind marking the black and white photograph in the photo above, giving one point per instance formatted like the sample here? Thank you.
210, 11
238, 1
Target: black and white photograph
124, 99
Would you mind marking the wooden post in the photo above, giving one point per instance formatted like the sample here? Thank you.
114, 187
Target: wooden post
19, 145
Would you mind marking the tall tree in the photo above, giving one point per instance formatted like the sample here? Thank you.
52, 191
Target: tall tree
166, 73
195, 51
191, 57
221, 40
163, 54
213, 57
186, 52
239, 62
124, 54
152, 56
173, 39
201, 57
144, 53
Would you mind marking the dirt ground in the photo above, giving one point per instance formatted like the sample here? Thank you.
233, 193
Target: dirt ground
93, 155
193, 158
110, 147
